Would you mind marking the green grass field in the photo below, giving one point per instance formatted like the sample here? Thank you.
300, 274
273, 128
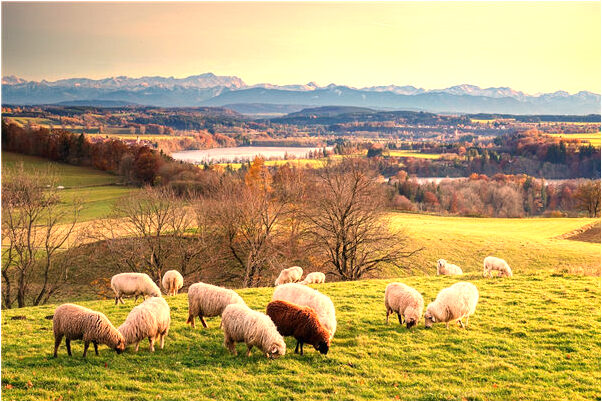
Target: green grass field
529, 245
532, 337
95, 189
68, 175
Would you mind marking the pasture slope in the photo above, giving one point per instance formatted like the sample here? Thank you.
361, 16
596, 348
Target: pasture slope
534, 336
96, 190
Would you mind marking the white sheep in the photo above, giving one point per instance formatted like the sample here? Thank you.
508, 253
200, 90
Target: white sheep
77, 322
289, 275
496, 264
241, 324
150, 319
306, 296
314, 277
206, 300
452, 304
445, 268
172, 282
133, 284
404, 300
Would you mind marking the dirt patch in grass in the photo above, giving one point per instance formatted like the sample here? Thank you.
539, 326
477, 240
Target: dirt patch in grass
588, 233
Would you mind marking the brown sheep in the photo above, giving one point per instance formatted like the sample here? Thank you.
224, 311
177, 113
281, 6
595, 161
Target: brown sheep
300, 322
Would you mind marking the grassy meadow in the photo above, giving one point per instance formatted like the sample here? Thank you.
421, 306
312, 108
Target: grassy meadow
529, 244
96, 190
533, 336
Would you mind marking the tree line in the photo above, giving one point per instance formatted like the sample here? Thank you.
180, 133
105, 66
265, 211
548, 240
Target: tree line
505, 196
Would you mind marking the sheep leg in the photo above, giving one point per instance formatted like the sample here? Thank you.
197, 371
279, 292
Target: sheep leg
229, 343
151, 341
388, 316
301, 348
86, 346
190, 320
447, 325
297, 348
466, 321
137, 346
461, 324
399, 317
162, 340
249, 347
135, 298
57, 343
203, 321
95, 347
116, 300
68, 344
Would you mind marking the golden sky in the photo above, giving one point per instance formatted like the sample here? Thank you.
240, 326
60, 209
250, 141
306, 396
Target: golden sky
529, 46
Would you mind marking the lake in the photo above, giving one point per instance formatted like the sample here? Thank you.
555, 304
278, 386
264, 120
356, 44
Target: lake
238, 154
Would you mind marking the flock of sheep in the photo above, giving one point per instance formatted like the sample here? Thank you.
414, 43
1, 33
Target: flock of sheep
295, 310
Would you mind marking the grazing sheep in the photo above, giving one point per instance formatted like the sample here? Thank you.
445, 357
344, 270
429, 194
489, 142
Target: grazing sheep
300, 322
496, 264
149, 319
305, 296
445, 268
452, 304
407, 302
133, 284
172, 282
77, 322
314, 277
288, 275
241, 324
206, 300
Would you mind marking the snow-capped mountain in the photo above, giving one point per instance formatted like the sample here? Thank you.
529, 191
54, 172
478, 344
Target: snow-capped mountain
212, 90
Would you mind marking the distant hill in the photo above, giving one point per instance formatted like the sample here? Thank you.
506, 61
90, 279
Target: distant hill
96, 103
212, 90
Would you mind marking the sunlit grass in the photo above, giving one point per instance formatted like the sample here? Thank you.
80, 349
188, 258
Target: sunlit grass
412, 154
533, 337
592, 138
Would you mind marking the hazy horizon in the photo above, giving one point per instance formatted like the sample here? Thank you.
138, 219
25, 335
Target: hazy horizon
533, 47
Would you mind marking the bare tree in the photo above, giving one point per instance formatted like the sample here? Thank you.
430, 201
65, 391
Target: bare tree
142, 231
346, 222
248, 217
35, 226
588, 197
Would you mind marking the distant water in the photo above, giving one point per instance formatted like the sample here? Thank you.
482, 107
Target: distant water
238, 154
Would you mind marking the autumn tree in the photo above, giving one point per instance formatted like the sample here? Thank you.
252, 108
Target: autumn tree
588, 198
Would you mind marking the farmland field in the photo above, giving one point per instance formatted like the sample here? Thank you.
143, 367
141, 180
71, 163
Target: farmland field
413, 154
592, 138
97, 190
533, 336
68, 175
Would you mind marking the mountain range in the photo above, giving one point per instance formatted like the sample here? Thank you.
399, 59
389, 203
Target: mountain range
211, 90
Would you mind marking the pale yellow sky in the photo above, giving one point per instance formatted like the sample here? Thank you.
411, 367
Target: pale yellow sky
529, 46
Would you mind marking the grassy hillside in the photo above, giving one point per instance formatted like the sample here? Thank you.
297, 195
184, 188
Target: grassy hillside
69, 175
529, 245
532, 337
96, 189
